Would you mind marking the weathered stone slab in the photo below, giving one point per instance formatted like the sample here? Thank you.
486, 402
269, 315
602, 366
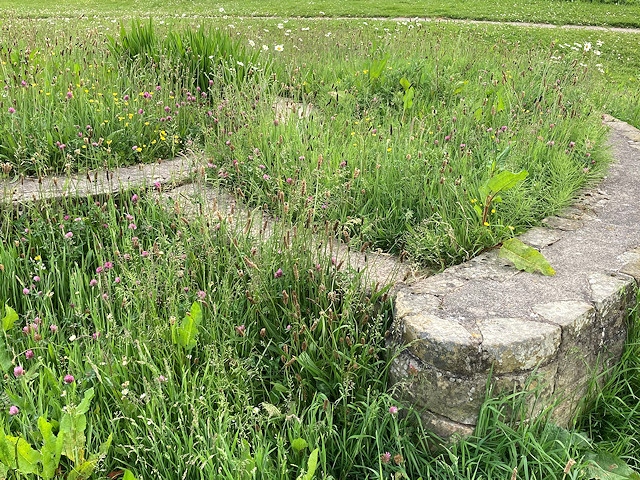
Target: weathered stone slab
515, 345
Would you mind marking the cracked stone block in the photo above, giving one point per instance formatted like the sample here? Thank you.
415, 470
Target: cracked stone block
568, 314
440, 342
445, 427
514, 344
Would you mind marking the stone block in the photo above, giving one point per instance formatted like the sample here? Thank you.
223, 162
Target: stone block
513, 345
443, 343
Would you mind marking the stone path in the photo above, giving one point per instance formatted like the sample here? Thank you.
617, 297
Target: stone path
180, 182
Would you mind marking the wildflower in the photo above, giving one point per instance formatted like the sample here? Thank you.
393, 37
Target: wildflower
68, 235
18, 371
201, 295
132, 226
385, 457
393, 410
279, 48
240, 330
99, 269
29, 354
162, 379
12, 110
25, 290
289, 180
117, 280
144, 253
108, 265
93, 282
279, 273
264, 47
95, 335
398, 459
69, 379
53, 328
13, 410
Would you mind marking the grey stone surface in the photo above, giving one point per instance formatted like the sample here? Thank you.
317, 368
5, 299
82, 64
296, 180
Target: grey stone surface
166, 173
483, 316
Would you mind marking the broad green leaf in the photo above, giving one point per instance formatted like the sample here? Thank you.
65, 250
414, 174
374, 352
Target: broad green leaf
51, 449
9, 319
27, 458
104, 447
505, 180
85, 403
525, 257
7, 452
73, 426
405, 83
312, 464
407, 99
4, 471
83, 471
187, 332
478, 114
478, 210
5, 357
128, 475
605, 466
299, 444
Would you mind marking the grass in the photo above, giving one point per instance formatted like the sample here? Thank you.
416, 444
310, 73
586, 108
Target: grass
286, 354
365, 134
204, 347
625, 13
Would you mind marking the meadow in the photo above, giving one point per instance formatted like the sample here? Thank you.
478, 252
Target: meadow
143, 342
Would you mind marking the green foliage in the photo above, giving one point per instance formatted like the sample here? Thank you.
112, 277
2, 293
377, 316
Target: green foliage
605, 466
186, 334
16, 454
525, 257
9, 319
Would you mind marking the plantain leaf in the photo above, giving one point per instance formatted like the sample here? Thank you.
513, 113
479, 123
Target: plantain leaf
525, 257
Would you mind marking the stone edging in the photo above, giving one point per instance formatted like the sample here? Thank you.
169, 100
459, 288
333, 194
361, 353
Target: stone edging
484, 318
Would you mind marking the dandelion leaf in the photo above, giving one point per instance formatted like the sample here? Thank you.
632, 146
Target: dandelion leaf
525, 257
